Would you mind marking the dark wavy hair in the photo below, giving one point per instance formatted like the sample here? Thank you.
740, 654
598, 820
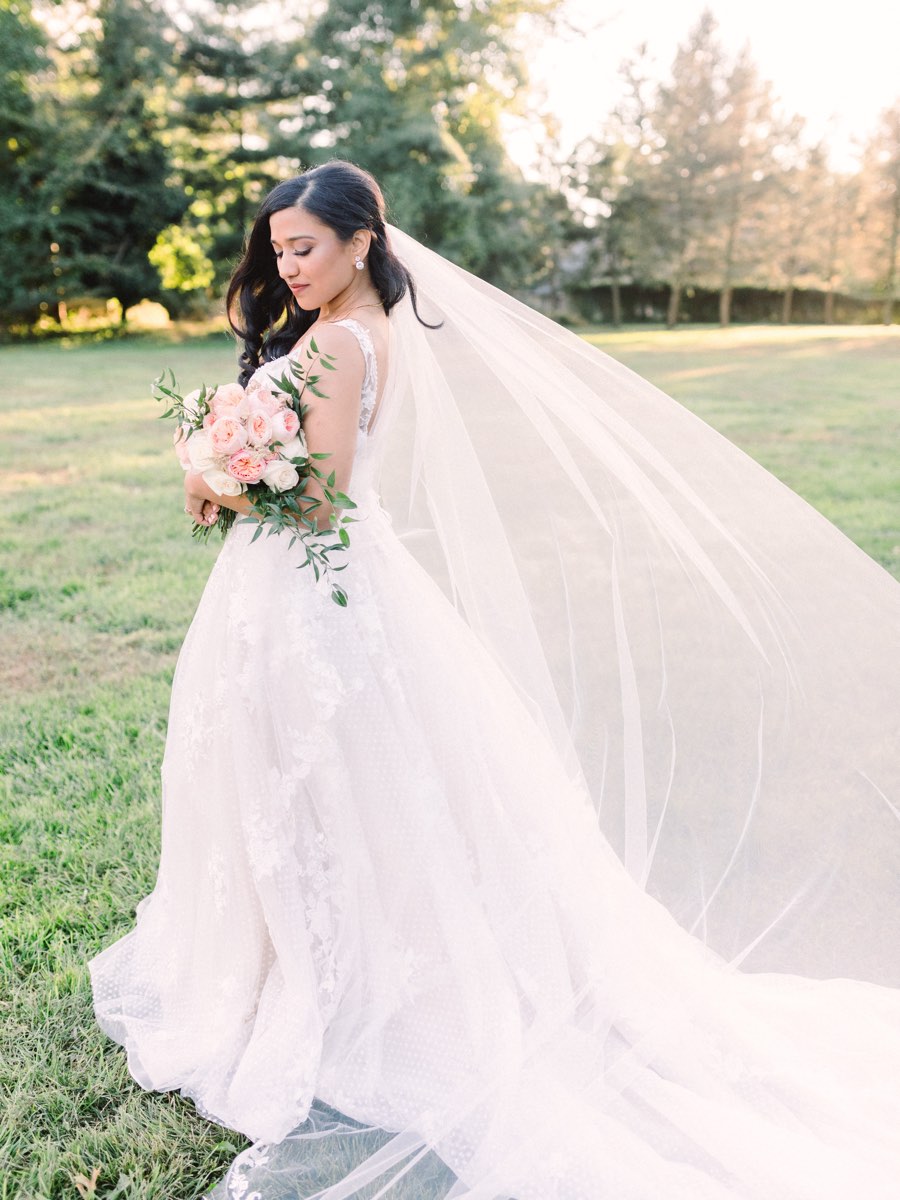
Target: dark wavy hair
261, 308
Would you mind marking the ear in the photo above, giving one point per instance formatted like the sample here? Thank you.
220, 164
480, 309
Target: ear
360, 242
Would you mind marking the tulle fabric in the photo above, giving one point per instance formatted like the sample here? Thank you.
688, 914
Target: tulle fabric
429, 863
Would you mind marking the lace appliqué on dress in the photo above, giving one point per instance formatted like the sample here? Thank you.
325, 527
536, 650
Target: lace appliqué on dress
369, 392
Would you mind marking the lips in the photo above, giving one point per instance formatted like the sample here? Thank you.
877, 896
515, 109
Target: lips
297, 288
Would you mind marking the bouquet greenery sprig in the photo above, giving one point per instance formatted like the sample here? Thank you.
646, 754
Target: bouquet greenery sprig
251, 442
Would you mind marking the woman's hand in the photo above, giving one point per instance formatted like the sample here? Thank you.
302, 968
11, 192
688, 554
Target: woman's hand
197, 505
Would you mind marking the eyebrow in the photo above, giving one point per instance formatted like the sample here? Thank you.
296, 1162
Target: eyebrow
296, 237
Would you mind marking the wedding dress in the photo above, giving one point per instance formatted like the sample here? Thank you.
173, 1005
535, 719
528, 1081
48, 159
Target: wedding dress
393, 940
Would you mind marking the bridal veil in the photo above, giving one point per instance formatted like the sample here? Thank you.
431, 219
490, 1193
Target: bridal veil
716, 663
717, 670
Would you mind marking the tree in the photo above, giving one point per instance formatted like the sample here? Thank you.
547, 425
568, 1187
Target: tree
414, 92
110, 191
841, 217
749, 140
609, 178
25, 249
687, 161
235, 123
880, 179
805, 226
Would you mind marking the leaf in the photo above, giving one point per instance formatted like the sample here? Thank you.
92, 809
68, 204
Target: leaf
344, 501
313, 346
339, 596
344, 536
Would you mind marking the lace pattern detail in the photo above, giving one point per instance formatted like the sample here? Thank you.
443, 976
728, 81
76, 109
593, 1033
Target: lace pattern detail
370, 382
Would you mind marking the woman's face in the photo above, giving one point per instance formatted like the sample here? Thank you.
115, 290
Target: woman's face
312, 260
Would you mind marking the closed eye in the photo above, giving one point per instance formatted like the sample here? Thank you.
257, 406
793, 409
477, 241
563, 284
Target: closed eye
297, 253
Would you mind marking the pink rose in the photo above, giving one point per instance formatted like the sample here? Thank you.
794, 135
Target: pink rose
261, 396
259, 428
285, 425
227, 435
247, 466
209, 420
229, 400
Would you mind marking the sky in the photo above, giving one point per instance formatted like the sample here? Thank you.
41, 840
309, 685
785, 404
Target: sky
836, 64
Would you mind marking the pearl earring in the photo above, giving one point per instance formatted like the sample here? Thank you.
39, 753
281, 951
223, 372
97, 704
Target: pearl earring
359, 263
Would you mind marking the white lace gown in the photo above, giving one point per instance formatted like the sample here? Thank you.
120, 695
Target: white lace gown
379, 889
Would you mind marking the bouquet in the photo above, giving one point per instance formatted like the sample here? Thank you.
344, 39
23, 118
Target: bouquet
250, 442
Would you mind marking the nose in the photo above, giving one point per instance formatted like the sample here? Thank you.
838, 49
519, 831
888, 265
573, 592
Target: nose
287, 265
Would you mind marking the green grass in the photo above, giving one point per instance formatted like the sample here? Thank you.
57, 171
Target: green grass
98, 581
818, 406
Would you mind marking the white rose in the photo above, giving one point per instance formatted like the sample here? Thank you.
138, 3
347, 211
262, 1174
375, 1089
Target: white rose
222, 483
295, 448
280, 476
200, 451
192, 402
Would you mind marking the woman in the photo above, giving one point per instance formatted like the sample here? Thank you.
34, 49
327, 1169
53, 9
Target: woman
390, 940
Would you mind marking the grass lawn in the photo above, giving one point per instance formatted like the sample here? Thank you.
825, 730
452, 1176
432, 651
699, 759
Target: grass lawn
98, 581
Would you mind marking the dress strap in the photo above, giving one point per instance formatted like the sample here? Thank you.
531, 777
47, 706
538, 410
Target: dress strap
370, 381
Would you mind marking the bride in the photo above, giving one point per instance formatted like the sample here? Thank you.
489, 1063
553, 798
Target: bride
562, 863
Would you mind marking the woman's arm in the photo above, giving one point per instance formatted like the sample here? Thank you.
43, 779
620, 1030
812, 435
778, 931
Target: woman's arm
330, 427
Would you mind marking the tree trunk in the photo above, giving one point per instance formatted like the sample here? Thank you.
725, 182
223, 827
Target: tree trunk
887, 312
674, 305
829, 307
725, 305
787, 305
616, 291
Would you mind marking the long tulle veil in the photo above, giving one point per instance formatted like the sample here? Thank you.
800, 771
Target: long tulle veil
718, 663
717, 667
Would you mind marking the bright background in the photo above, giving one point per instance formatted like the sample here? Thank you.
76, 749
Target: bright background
837, 65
